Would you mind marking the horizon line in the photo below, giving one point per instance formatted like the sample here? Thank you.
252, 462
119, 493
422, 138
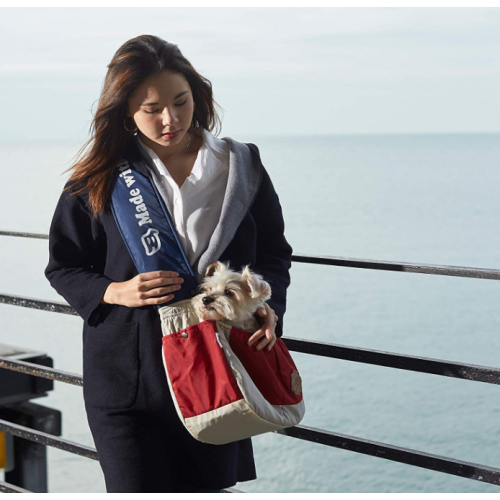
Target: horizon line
280, 136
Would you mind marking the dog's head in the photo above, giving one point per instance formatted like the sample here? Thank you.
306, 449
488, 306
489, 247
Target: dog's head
225, 293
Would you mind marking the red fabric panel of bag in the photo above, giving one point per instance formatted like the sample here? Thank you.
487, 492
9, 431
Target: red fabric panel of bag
200, 374
271, 371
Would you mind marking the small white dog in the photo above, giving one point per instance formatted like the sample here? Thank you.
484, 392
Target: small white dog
232, 296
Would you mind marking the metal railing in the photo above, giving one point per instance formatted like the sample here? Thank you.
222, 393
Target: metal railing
447, 465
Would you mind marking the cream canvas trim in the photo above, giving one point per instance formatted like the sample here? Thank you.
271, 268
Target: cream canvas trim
177, 317
229, 423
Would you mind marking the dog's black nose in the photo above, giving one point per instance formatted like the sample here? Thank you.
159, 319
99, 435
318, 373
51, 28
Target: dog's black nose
207, 300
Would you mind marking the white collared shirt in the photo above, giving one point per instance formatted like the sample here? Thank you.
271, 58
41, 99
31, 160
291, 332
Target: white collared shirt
196, 206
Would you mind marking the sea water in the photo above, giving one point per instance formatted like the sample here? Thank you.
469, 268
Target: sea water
428, 199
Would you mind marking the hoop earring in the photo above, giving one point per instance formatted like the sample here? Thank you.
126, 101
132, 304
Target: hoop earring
125, 126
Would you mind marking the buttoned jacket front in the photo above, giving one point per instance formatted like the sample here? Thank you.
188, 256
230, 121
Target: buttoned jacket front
122, 366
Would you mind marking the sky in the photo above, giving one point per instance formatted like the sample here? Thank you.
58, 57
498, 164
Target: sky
274, 71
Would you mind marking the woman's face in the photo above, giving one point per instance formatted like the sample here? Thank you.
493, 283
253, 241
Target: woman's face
162, 103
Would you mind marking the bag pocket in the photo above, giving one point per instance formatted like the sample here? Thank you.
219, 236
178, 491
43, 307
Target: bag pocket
111, 365
199, 372
273, 372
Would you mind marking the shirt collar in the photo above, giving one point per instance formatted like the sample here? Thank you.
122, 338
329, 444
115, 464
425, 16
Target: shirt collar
208, 160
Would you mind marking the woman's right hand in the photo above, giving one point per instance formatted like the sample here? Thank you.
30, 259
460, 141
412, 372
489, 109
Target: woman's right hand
144, 289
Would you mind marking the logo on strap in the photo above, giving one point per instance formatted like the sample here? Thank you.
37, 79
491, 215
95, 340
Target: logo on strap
151, 241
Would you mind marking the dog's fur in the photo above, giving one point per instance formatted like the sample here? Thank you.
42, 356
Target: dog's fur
228, 295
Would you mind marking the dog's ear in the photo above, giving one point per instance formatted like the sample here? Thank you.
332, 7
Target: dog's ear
214, 267
259, 288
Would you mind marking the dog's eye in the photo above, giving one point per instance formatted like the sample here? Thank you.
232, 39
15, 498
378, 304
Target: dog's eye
228, 292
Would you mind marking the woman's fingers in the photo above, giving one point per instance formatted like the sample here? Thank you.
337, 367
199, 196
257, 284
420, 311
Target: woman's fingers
263, 344
256, 336
161, 290
157, 275
151, 291
268, 324
261, 332
266, 331
158, 282
271, 344
159, 300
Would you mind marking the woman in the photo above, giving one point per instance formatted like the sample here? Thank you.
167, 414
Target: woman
155, 110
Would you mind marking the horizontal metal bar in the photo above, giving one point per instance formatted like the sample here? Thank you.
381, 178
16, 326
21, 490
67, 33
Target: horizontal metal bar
405, 267
56, 442
407, 456
41, 305
48, 439
12, 488
25, 235
381, 265
381, 450
477, 373
41, 371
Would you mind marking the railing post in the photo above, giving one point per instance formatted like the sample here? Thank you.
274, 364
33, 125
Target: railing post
30, 459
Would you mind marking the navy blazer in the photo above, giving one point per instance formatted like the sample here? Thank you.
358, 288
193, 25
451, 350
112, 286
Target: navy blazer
129, 408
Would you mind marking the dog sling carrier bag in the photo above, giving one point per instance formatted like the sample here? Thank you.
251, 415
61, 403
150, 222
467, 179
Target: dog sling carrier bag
223, 389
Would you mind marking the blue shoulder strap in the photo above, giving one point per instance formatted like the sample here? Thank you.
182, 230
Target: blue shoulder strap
147, 229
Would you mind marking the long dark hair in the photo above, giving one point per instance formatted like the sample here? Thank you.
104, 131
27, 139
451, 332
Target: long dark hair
132, 63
